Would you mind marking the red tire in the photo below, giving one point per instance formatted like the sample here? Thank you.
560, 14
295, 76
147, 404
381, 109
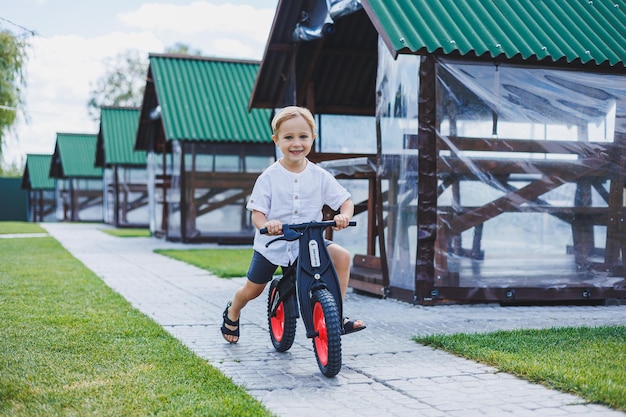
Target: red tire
327, 326
282, 329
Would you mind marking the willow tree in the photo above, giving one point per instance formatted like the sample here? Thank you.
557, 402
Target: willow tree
13, 55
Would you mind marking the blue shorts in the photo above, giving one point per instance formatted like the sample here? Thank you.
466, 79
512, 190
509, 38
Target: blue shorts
261, 271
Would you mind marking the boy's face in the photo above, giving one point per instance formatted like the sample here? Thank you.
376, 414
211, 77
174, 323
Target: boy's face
294, 138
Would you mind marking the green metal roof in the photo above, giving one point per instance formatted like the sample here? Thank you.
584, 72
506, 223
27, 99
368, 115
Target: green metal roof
37, 173
75, 156
205, 99
568, 31
116, 138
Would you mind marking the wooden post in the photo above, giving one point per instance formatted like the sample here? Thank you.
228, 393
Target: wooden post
427, 182
116, 199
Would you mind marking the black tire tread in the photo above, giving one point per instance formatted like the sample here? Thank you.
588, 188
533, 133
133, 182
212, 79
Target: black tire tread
333, 329
289, 332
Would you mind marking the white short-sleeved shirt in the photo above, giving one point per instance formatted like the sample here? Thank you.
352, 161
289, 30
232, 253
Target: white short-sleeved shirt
292, 198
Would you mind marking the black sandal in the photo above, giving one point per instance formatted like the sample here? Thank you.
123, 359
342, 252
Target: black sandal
225, 330
348, 326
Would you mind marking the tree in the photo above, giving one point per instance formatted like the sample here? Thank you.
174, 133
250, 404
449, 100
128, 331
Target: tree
122, 84
125, 79
13, 55
181, 48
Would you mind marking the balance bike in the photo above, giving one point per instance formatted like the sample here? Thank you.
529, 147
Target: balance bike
312, 284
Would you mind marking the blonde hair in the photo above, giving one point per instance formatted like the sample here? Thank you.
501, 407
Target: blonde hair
290, 112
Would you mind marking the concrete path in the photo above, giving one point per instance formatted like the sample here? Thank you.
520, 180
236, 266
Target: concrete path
384, 373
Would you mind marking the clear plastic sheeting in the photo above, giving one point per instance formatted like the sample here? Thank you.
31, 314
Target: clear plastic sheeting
398, 89
340, 8
215, 202
530, 174
497, 101
42, 205
62, 197
332, 134
79, 199
355, 175
317, 20
126, 196
200, 190
350, 166
159, 172
314, 23
174, 193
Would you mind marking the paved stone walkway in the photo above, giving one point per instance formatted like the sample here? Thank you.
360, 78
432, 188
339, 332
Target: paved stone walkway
384, 373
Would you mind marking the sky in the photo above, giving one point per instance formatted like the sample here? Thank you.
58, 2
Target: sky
75, 41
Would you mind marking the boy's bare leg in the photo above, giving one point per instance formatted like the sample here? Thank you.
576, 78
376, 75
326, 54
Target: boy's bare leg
248, 292
341, 260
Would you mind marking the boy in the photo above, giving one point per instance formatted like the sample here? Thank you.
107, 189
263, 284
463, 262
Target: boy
291, 190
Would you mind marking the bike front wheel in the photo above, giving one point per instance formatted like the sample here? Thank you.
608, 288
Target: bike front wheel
327, 326
282, 327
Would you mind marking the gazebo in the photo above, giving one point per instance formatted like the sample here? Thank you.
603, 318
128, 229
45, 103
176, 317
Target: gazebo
496, 140
204, 149
125, 172
41, 188
79, 181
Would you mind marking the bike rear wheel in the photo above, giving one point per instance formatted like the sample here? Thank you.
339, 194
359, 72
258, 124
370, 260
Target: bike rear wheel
327, 326
282, 328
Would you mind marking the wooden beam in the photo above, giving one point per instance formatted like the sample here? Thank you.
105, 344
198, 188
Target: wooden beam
427, 179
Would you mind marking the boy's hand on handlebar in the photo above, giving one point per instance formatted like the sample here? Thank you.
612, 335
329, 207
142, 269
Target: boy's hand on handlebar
274, 227
341, 221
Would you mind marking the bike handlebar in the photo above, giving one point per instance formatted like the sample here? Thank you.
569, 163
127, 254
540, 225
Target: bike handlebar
319, 225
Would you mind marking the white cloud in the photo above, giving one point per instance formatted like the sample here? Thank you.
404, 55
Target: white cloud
62, 69
202, 17
66, 64
60, 72
235, 48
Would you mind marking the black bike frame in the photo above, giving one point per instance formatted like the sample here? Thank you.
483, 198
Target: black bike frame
314, 269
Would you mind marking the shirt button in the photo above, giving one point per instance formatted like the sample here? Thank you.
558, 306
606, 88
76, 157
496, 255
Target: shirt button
295, 212
296, 197
295, 180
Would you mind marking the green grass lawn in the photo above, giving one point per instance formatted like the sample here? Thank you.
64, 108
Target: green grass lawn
70, 346
20, 227
225, 263
589, 362
127, 232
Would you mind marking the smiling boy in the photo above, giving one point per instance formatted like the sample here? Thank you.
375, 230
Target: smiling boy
291, 190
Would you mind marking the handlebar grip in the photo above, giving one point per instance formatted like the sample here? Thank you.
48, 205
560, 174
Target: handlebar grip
263, 230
